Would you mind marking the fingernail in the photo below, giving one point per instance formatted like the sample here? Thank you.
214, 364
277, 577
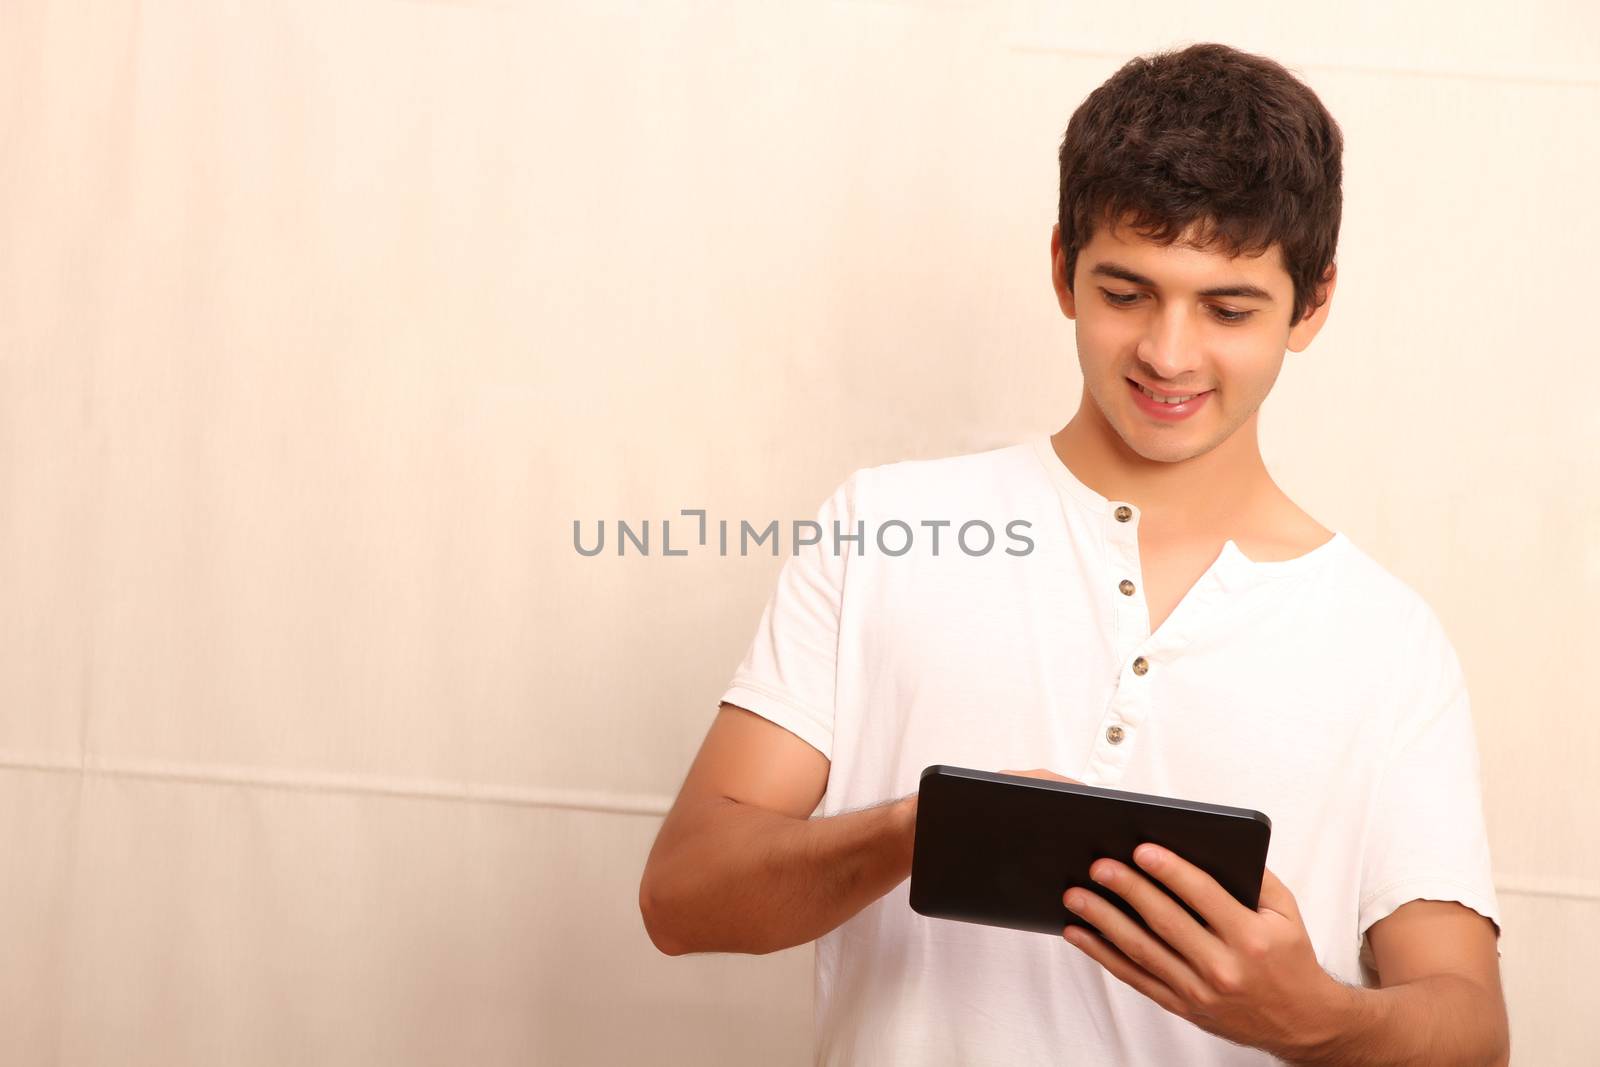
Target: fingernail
1148, 855
1101, 874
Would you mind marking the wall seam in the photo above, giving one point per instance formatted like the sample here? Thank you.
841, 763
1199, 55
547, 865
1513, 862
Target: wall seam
594, 800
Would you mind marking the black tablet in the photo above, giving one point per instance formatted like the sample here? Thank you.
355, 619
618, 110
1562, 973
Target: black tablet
1002, 849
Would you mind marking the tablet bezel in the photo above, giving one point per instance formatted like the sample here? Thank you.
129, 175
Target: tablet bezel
1021, 893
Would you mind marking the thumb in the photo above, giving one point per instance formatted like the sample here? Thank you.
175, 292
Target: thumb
1275, 896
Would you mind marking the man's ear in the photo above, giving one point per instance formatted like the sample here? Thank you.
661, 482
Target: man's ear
1058, 275
1304, 330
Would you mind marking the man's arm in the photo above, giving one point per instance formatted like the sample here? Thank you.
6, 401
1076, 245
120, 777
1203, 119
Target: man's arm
739, 867
1440, 1000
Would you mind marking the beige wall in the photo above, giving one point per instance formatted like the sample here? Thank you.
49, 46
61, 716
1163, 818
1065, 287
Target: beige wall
321, 323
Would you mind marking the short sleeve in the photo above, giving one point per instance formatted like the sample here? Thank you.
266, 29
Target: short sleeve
1427, 838
789, 674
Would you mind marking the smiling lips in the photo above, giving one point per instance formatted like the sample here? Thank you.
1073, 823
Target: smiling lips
1162, 398
1174, 409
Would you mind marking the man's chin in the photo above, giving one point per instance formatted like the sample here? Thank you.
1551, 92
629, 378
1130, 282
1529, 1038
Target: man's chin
1151, 446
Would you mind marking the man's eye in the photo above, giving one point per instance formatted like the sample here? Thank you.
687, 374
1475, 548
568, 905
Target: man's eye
1123, 300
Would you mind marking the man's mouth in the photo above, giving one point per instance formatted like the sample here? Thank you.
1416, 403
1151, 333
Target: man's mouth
1166, 398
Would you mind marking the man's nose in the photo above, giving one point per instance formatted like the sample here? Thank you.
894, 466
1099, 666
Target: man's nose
1171, 347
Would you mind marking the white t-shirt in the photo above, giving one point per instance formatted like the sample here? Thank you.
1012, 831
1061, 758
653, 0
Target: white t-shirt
1320, 690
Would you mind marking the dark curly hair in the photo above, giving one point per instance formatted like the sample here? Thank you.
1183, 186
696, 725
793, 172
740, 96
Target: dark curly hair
1208, 136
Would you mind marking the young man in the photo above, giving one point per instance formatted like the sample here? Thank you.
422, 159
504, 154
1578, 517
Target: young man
1179, 627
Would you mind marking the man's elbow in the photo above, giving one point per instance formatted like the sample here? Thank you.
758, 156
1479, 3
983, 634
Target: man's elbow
650, 910
1493, 1006
1488, 1003
1501, 1057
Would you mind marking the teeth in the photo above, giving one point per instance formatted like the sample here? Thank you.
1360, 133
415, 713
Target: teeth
1165, 400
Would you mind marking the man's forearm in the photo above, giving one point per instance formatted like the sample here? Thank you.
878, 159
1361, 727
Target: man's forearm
756, 881
1445, 1020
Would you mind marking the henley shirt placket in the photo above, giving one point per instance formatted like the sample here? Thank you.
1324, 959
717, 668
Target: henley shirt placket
1126, 714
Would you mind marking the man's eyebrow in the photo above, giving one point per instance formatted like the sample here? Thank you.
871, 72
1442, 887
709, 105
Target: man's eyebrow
1117, 270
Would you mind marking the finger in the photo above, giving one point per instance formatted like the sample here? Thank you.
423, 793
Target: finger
1039, 772
1139, 945
1275, 896
1125, 969
1201, 950
1227, 918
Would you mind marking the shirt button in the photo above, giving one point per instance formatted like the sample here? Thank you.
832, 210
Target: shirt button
1114, 734
1140, 666
1126, 587
1124, 513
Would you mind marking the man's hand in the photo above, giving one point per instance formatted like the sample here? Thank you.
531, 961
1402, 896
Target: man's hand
1038, 773
1252, 977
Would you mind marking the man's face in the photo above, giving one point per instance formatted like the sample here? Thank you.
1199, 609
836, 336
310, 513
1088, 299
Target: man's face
1151, 314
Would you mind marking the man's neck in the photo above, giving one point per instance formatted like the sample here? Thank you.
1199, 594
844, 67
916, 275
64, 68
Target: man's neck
1227, 488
